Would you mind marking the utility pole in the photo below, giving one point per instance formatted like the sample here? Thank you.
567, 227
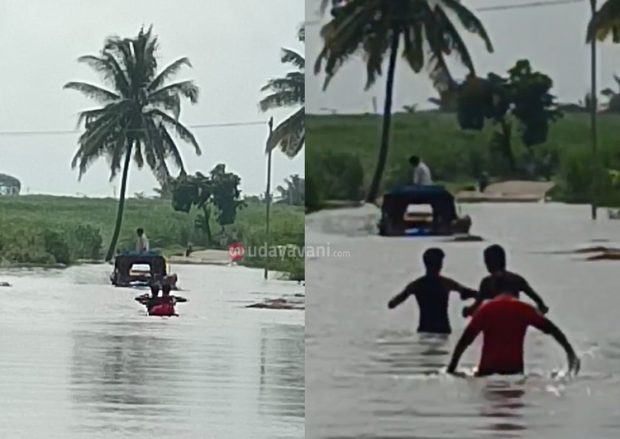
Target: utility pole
593, 125
268, 198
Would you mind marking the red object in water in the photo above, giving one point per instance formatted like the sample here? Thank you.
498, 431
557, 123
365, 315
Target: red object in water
236, 251
162, 309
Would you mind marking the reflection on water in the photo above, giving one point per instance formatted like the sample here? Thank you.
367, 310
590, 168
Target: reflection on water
80, 359
505, 408
282, 390
368, 374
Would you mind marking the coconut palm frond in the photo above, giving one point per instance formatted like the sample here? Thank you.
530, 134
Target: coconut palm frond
294, 58
289, 135
167, 72
605, 23
92, 91
187, 89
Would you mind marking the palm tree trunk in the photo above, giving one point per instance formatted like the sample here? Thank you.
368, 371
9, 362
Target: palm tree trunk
121, 206
593, 127
373, 191
207, 215
507, 144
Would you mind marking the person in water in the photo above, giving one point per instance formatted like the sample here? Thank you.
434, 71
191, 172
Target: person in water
495, 261
503, 322
432, 292
153, 299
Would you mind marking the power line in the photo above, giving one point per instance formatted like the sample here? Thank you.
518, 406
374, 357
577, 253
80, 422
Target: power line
530, 5
534, 4
66, 132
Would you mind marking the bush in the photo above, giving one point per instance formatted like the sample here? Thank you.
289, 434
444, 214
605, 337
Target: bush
87, 242
341, 175
575, 179
314, 195
56, 245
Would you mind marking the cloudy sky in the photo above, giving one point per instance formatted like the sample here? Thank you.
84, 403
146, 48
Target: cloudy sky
234, 46
551, 37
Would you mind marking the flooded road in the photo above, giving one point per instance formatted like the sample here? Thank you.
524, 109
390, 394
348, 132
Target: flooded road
369, 375
80, 358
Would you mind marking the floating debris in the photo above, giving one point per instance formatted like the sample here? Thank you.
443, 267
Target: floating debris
279, 304
466, 238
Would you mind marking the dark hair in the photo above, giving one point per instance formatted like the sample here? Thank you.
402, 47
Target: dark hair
139, 230
433, 259
414, 160
166, 289
495, 257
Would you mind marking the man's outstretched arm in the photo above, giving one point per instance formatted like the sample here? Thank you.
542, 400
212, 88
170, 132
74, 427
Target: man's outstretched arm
468, 337
401, 297
529, 291
465, 292
548, 327
480, 296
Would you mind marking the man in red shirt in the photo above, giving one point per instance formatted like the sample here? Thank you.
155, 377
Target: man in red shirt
503, 322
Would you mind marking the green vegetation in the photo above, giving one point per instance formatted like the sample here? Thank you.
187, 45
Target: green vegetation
217, 193
522, 99
457, 157
45, 230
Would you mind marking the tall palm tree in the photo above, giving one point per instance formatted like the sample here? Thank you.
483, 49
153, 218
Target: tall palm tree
139, 113
288, 91
426, 28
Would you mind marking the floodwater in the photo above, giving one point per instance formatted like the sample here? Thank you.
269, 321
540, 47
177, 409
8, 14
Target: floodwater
369, 375
80, 358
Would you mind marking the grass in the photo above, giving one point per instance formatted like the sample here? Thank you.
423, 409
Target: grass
46, 229
456, 156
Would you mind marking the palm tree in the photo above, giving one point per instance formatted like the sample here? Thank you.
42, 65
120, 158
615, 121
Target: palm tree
428, 30
613, 104
288, 91
139, 113
605, 22
294, 191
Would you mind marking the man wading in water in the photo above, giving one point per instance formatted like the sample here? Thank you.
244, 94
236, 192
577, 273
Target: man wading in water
495, 261
432, 292
503, 322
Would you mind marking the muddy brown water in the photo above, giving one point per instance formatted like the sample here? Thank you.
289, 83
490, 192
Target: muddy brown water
80, 359
369, 375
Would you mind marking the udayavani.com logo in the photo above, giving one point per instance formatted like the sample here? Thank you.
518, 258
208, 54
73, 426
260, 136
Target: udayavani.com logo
237, 251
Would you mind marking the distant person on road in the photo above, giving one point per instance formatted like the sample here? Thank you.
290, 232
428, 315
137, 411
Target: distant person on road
483, 182
421, 172
432, 292
503, 322
495, 261
142, 243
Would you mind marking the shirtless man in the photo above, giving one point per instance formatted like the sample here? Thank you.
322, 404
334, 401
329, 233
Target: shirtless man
432, 292
503, 322
495, 261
